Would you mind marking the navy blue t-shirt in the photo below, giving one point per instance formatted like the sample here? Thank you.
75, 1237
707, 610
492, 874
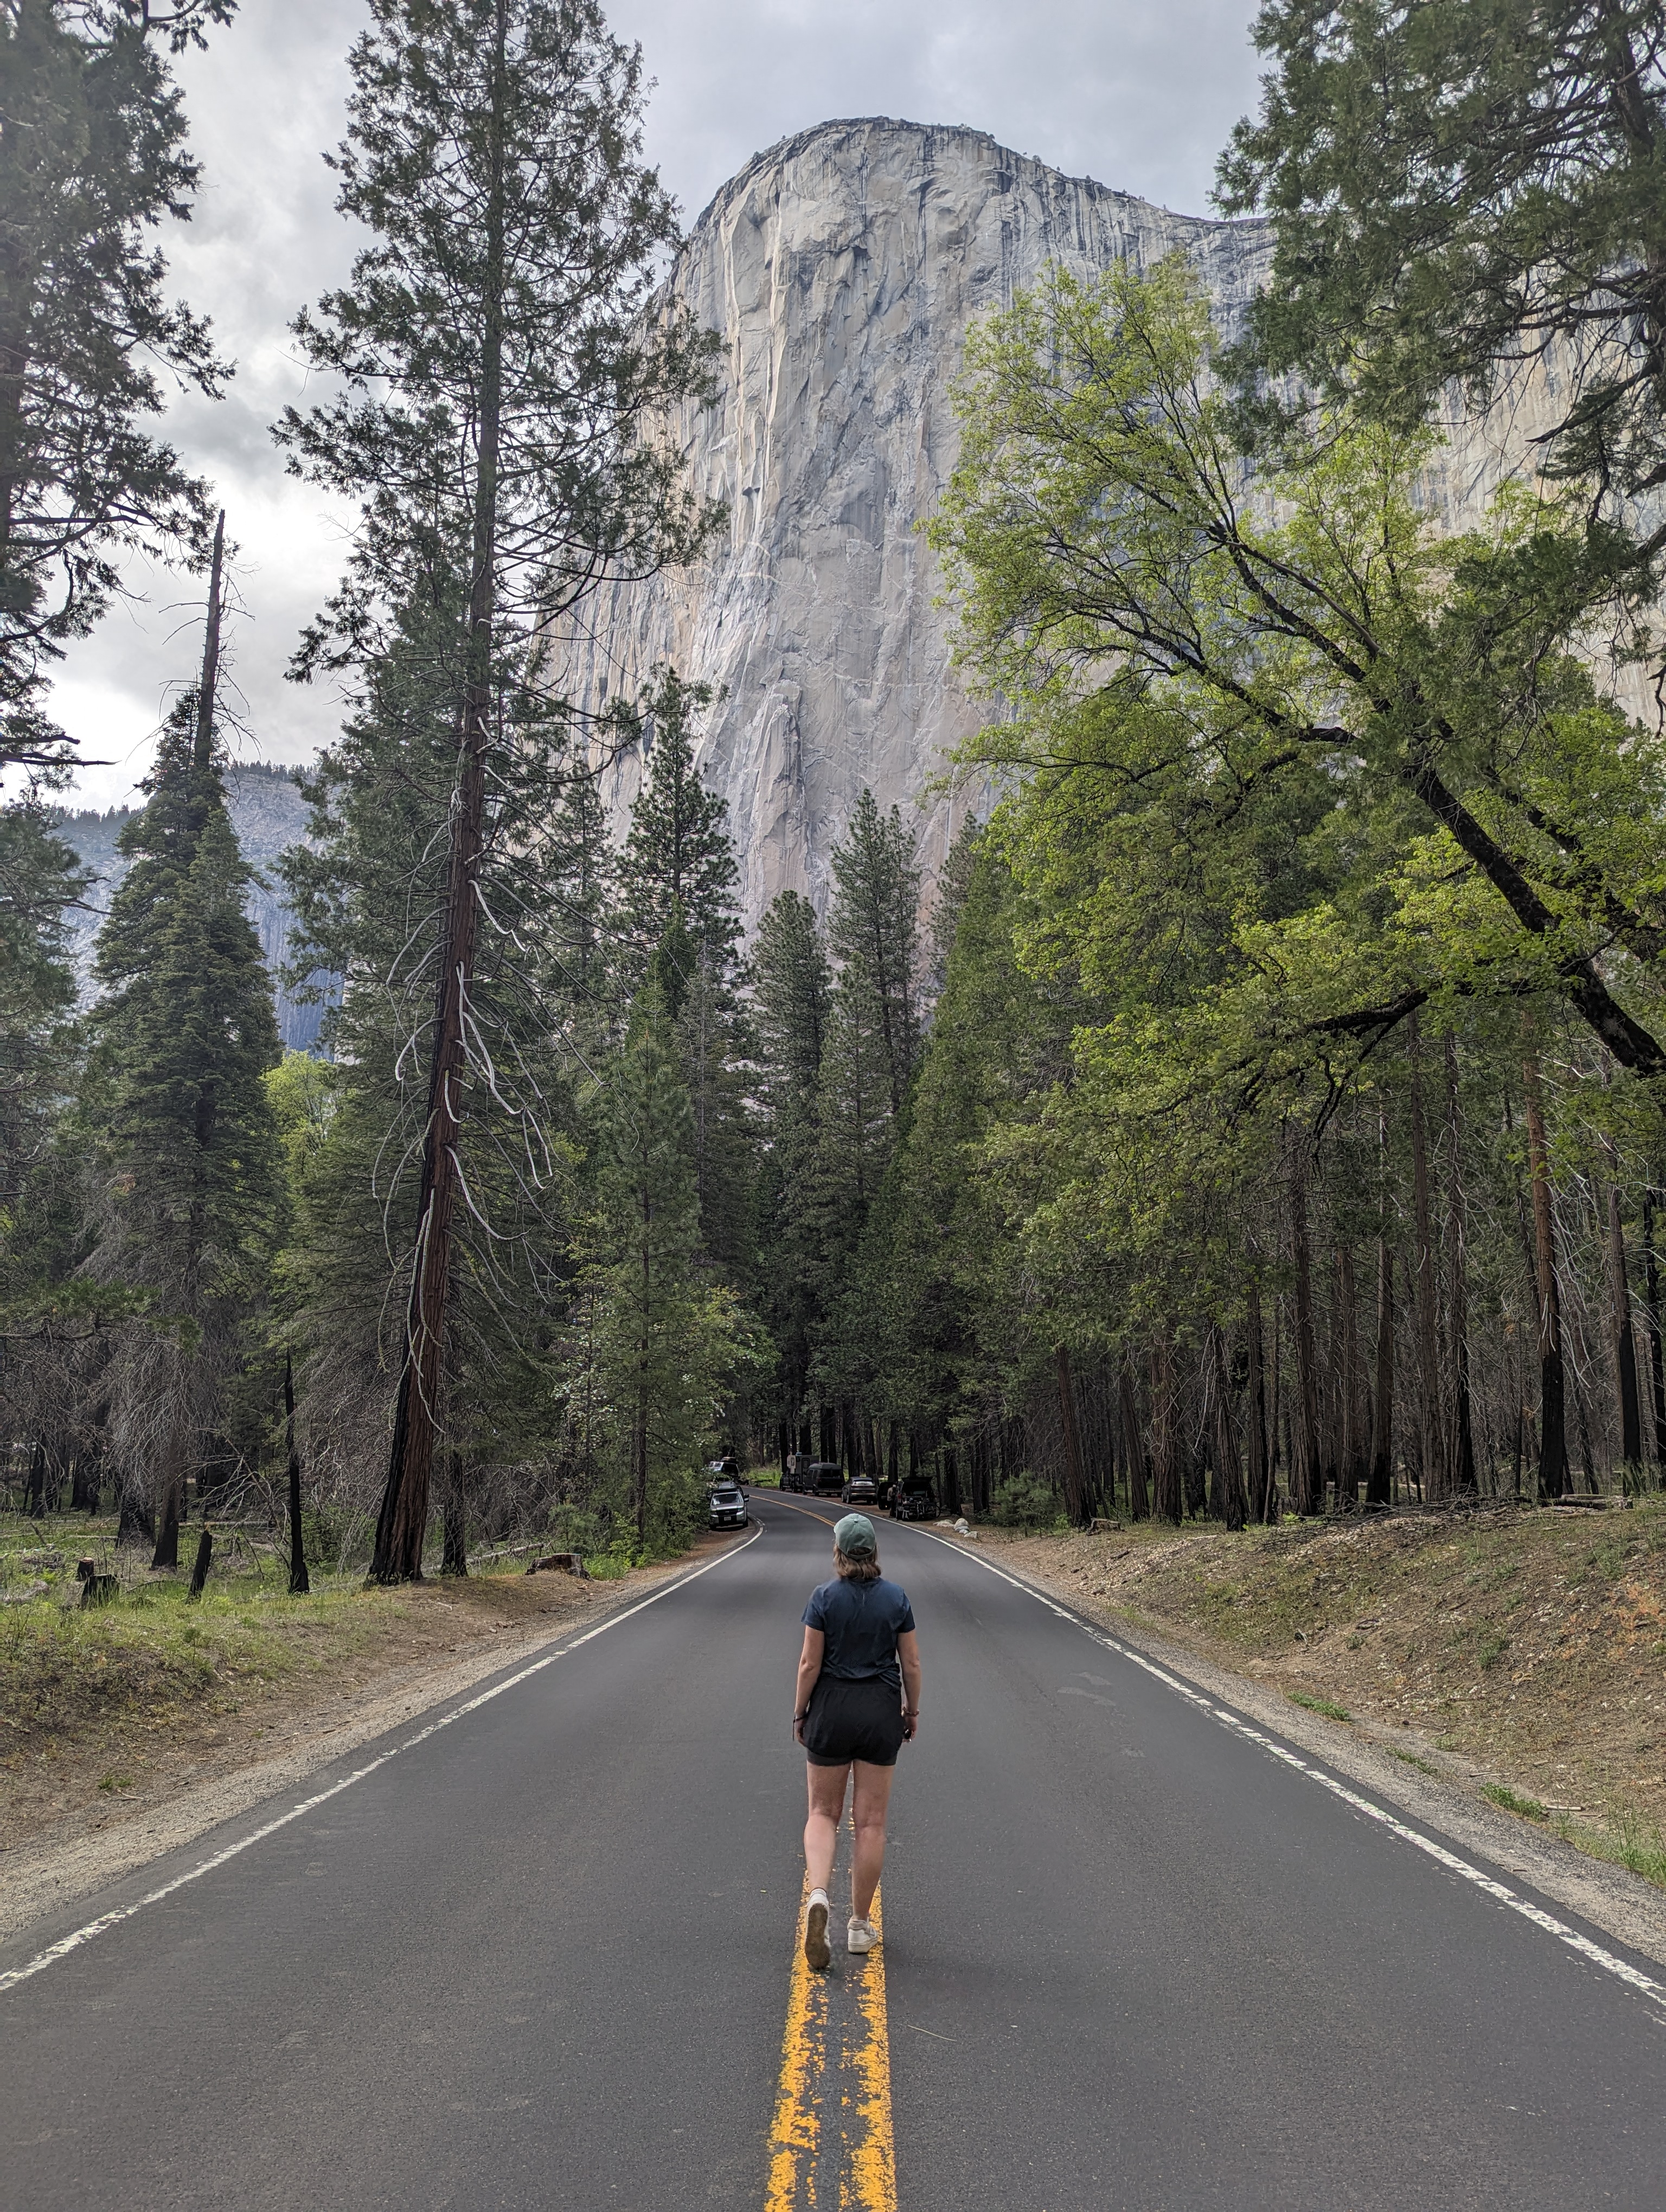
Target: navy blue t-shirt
861, 1621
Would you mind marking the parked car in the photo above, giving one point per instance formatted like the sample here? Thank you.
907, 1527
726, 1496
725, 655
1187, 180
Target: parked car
725, 1506
914, 1499
861, 1490
727, 1470
824, 1478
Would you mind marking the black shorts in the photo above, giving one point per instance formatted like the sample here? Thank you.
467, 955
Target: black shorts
853, 1720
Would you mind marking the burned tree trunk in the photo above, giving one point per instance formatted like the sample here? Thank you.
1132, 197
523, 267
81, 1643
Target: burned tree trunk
1460, 1455
1379, 1483
1133, 1446
1075, 1498
1305, 1495
1651, 1307
1227, 1499
1625, 1344
1430, 1436
1166, 1442
1260, 1469
1552, 1419
299, 1581
1351, 1453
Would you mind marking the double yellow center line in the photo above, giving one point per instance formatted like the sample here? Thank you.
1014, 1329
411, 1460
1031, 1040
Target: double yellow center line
831, 2147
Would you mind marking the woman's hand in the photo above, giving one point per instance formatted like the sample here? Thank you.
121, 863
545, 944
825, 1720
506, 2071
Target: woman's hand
910, 1725
799, 1720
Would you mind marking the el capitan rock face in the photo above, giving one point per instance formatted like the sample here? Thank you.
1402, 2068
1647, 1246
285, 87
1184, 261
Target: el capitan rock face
842, 268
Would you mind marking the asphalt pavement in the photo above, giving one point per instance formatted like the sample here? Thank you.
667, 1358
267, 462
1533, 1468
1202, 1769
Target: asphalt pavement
1135, 1956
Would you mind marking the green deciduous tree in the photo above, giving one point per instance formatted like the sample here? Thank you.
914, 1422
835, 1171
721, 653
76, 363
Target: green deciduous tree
1218, 660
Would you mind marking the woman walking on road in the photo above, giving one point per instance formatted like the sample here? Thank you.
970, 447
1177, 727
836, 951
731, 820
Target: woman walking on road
860, 1654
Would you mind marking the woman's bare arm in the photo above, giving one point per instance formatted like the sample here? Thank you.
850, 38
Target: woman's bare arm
908, 1650
809, 1667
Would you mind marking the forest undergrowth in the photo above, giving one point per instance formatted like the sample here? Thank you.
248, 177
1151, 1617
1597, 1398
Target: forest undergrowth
1515, 1652
115, 1707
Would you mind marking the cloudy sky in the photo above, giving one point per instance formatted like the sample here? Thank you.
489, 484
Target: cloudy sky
1140, 94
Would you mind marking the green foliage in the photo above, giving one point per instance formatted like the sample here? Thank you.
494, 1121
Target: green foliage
1461, 188
1024, 1501
91, 158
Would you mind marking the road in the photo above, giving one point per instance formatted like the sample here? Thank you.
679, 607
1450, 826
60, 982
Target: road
544, 1956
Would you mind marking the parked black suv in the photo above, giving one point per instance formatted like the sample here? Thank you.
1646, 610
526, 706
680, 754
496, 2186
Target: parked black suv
914, 1499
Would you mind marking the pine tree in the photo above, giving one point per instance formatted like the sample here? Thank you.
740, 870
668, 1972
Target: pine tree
92, 158
791, 990
1460, 188
189, 1161
668, 1347
496, 365
679, 874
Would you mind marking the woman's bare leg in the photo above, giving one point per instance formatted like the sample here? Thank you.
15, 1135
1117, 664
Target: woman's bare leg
821, 1830
867, 1817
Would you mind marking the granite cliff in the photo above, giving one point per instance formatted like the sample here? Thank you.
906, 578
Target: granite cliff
842, 269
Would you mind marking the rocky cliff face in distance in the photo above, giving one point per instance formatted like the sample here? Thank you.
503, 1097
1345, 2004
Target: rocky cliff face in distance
842, 268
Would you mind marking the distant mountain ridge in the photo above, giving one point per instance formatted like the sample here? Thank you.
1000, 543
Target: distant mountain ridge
268, 813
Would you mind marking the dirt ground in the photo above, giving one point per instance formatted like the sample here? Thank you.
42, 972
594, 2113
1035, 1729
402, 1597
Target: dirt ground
107, 1717
1523, 1650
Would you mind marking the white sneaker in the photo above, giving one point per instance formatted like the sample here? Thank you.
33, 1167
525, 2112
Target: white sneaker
817, 1951
861, 1936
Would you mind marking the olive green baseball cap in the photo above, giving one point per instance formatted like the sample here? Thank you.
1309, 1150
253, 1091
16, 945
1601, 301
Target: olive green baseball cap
855, 1538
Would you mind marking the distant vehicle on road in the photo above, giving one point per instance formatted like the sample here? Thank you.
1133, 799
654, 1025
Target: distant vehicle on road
725, 1506
914, 1499
824, 1478
860, 1490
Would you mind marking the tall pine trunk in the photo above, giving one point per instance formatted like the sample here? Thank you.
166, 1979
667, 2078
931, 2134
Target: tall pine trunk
1134, 1444
1553, 1417
1379, 1482
402, 1521
1075, 1491
1261, 1467
1460, 1443
1651, 1307
1625, 1344
1306, 1495
1227, 1498
1165, 1442
300, 1583
1430, 1429
1351, 1454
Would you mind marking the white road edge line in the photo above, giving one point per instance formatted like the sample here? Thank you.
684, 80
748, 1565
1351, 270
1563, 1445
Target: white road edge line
1621, 1969
73, 1942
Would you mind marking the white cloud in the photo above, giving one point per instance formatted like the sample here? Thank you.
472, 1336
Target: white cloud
1139, 96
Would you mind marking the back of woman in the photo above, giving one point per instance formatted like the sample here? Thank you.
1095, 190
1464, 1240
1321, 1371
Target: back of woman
850, 1715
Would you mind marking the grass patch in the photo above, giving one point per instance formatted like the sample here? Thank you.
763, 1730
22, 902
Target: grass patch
1635, 1844
1491, 1649
1331, 1712
1511, 1801
1411, 1759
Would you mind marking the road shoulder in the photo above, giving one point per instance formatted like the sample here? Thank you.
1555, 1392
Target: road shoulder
47, 1873
1608, 1897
